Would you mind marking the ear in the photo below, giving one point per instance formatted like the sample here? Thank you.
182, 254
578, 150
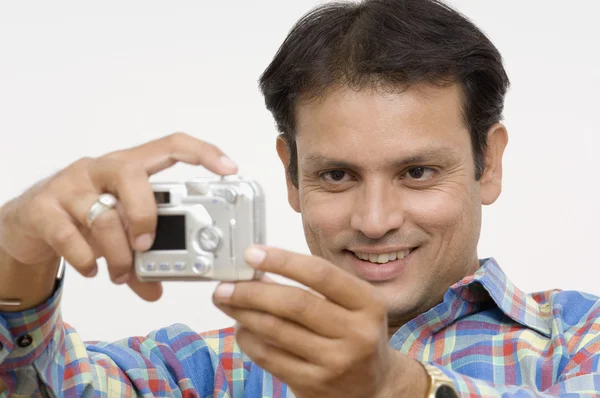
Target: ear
491, 180
284, 154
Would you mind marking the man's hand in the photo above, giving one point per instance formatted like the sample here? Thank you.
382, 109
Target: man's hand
48, 221
328, 343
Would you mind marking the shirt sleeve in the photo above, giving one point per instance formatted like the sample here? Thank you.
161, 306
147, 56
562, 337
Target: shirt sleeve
30, 348
43, 356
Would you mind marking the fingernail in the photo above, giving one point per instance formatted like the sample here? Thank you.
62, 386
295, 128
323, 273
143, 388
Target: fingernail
143, 242
122, 279
224, 290
93, 273
254, 255
225, 161
267, 279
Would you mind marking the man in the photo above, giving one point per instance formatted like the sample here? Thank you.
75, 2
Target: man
389, 113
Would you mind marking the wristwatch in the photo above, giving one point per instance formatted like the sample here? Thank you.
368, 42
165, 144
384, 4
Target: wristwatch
440, 385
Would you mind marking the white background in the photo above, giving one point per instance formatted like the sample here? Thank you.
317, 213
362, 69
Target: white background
84, 78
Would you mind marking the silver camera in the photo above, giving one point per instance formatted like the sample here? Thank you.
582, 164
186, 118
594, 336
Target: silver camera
204, 227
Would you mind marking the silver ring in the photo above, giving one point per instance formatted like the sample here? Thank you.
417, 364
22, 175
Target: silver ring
104, 203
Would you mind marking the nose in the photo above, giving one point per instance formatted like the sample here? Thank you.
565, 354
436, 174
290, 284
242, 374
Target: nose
378, 209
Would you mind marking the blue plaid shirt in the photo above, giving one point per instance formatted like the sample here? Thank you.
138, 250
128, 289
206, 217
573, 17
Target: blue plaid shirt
488, 336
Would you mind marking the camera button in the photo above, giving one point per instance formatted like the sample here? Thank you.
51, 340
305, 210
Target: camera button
179, 266
165, 266
151, 266
198, 187
201, 265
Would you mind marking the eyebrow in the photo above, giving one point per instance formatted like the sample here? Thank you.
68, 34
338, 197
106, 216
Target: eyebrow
423, 156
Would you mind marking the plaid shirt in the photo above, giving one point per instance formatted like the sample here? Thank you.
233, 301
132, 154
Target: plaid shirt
491, 338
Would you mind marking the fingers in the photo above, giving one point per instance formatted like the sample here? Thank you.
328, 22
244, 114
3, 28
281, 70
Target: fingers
164, 152
289, 336
110, 237
66, 240
317, 314
107, 234
149, 291
280, 363
129, 181
325, 278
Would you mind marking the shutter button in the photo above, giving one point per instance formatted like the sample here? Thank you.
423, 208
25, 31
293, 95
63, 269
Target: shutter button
24, 341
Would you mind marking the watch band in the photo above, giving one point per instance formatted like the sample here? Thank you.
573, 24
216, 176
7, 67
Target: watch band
440, 385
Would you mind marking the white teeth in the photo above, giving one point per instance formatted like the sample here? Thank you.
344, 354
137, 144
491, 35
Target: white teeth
383, 257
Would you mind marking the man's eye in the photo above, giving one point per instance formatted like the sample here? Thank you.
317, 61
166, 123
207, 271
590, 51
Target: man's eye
420, 173
334, 175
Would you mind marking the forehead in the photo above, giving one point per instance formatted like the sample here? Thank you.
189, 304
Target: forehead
344, 122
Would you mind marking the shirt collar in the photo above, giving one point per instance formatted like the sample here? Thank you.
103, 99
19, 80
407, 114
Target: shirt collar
489, 286
491, 282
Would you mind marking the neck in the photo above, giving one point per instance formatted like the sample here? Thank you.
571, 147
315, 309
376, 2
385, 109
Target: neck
395, 322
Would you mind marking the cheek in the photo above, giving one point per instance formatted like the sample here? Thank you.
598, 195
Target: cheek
325, 214
440, 211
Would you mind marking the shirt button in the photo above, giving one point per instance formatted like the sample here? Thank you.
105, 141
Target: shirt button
24, 341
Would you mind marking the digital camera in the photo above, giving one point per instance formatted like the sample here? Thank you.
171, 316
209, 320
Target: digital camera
204, 227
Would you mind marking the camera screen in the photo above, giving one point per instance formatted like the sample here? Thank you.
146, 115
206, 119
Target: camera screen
170, 233
162, 197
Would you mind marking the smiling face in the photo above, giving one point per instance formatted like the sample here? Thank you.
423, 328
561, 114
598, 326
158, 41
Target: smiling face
387, 189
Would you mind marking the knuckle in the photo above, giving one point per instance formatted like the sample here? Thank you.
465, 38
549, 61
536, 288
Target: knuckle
371, 337
366, 338
82, 163
339, 363
272, 325
77, 168
38, 208
259, 355
322, 272
207, 146
299, 304
178, 138
62, 236
107, 221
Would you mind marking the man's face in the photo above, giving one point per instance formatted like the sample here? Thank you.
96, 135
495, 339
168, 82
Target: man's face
387, 190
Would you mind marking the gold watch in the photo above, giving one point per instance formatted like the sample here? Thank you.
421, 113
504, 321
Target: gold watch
440, 385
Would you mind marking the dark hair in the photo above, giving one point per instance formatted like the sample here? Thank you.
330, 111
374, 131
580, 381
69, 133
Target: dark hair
388, 44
